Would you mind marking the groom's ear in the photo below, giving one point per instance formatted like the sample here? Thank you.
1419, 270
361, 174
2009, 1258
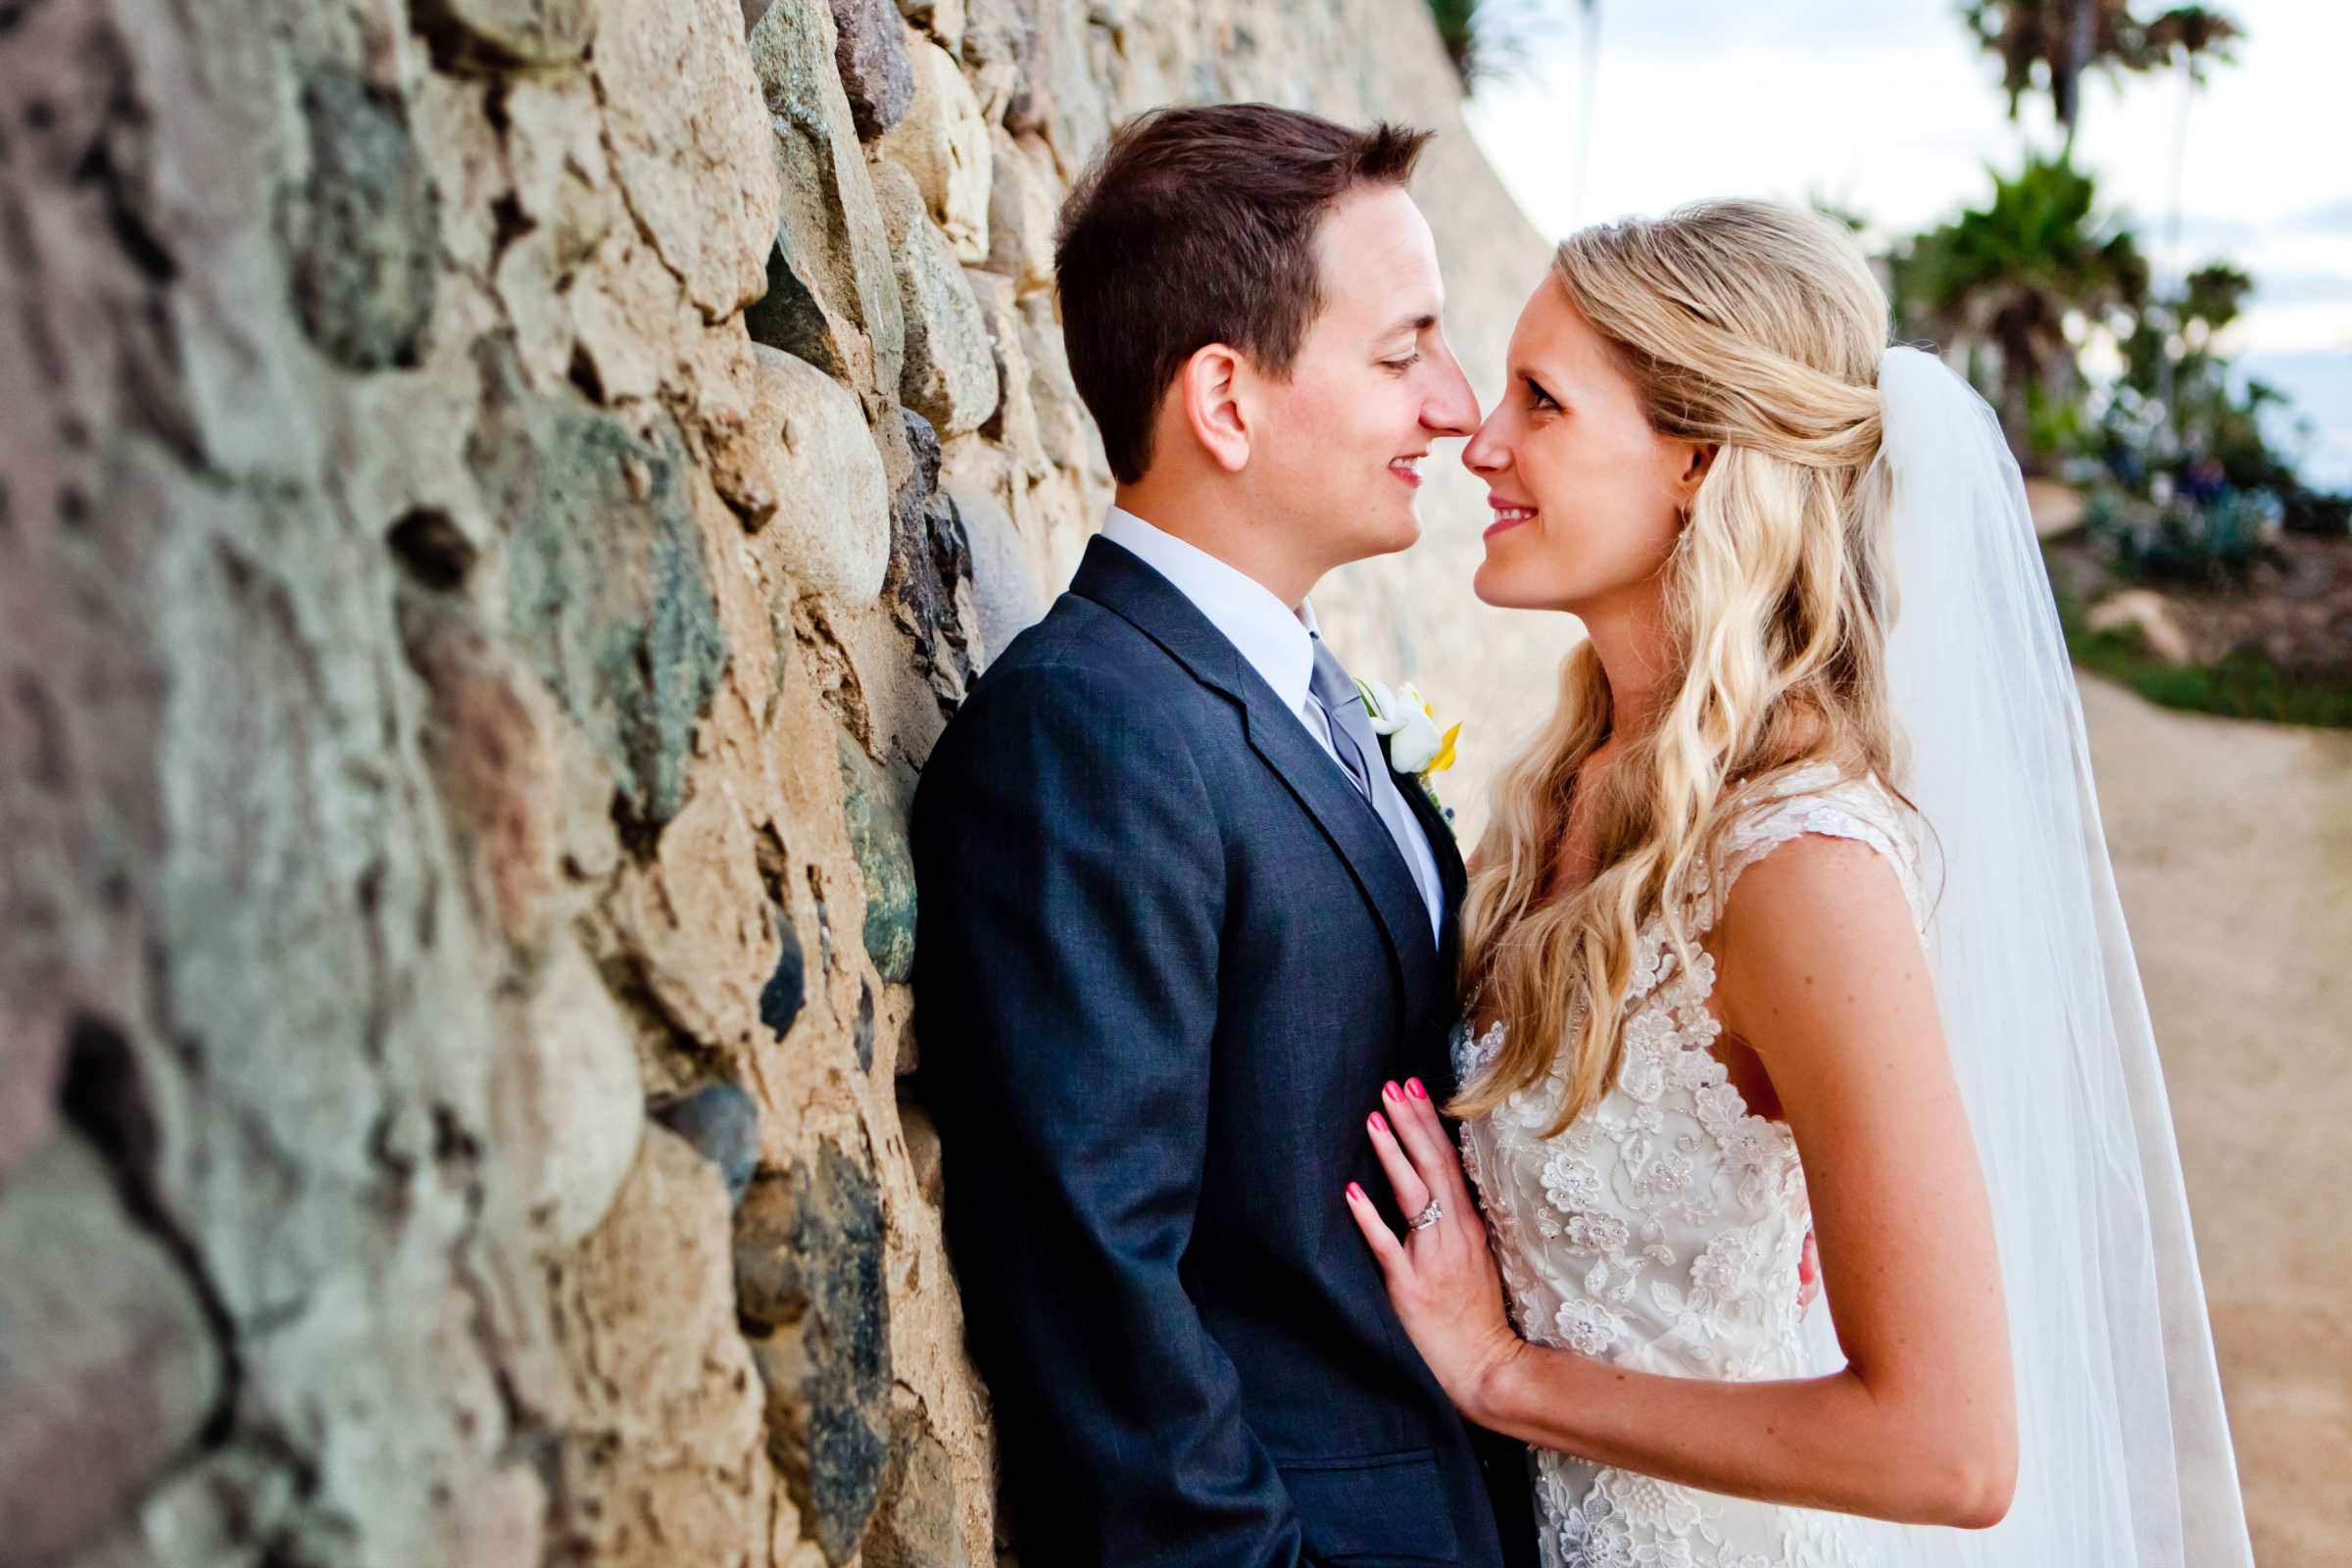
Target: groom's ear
1210, 391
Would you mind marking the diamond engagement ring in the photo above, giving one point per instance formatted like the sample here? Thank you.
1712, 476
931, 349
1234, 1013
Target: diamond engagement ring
1426, 1219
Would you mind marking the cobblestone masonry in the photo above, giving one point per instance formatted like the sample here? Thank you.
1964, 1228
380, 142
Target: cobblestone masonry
497, 498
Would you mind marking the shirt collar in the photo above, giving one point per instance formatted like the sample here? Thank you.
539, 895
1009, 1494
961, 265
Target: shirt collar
1278, 642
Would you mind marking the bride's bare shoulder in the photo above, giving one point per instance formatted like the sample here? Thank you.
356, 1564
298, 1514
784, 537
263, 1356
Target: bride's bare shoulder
1818, 913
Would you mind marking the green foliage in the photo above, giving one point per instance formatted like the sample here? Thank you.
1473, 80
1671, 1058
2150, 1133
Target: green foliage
2184, 436
2011, 275
1489, 39
2209, 538
1455, 31
2245, 684
2186, 485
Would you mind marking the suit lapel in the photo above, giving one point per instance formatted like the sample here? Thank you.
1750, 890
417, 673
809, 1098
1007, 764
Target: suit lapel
1115, 579
1454, 881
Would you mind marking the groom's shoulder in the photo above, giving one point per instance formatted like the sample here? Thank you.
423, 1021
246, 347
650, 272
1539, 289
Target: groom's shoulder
1081, 652
1083, 683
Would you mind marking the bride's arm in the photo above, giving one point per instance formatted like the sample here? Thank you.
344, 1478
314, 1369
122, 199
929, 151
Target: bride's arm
1822, 976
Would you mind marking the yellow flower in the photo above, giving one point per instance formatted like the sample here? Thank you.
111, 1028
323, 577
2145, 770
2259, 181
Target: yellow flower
1444, 757
1414, 744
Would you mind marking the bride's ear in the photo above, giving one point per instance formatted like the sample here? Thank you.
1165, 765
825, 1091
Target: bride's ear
1211, 390
1699, 459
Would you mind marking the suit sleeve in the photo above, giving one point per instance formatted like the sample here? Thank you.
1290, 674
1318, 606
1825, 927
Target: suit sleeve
1070, 889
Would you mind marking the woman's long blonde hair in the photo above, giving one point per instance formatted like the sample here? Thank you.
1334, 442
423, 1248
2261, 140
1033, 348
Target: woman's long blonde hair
1758, 328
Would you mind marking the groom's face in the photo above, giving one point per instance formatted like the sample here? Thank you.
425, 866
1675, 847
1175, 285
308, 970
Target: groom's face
1373, 385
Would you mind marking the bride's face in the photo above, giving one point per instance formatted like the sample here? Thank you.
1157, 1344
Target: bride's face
1587, 498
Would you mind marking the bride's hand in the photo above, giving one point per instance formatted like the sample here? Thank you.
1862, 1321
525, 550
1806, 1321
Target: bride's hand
1440, 1278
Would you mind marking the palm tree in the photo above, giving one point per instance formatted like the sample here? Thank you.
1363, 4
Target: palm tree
1487, 38
2049, 44
2002, 280
1455, 31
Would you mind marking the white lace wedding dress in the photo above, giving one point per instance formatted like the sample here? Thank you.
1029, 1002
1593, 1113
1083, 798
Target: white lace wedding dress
1661, 1231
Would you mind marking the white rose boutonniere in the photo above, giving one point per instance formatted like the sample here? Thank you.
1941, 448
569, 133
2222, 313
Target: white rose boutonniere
1405, 720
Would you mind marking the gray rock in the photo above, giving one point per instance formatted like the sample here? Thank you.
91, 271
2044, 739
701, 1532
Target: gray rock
832, 295
787, 988
1004, 591
951, 375
361, 232
929, 562
722, 1123
916, 1526
107, 1364
877, 824
861, 1034
1071, 107
607, 589
930, 569
999, 40
943, 141
875, 72
830, 529
811, 1290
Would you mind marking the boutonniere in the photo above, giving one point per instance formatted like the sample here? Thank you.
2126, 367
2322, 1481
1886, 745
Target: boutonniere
1409, 724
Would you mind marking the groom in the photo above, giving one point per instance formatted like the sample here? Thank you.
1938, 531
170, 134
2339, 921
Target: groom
1179, 921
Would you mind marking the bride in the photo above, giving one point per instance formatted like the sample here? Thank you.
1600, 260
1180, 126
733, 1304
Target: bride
1795, 920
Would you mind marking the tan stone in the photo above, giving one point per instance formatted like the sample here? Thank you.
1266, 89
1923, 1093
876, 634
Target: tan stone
1064, 428
452, 121
1015, 423
943, 20
1024, 204
662, 1462
398, 1091
944, 143
529, 279
699, 918
554, 148
691, 144
950, 375
486, 739
538, 31
2148, 613
831, 525
567, 1104
628, 314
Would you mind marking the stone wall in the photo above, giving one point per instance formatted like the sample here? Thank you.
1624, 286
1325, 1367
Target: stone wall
497, 498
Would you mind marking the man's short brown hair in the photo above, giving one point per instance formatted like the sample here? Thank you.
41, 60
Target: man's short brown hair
1196, 225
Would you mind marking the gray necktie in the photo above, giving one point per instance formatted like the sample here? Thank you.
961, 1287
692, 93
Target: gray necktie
1367, 766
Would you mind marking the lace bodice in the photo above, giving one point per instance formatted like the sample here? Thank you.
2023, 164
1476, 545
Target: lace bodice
1661, 1230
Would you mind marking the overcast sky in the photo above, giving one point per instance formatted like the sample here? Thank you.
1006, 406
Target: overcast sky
1885, 107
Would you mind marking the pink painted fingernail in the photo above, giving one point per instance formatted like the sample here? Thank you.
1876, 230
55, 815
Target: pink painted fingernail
1414, 1084
1380, 1123
1355, 1191
1392, 1091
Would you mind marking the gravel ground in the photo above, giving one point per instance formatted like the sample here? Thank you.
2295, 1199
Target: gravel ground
2232, 846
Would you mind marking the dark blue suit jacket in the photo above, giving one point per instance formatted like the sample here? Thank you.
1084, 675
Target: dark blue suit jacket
1166, 956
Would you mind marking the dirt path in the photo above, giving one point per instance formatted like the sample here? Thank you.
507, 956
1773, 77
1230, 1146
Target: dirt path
2232, 845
